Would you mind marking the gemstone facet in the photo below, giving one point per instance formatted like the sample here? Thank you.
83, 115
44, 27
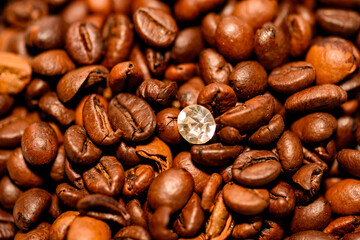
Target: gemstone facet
196, 124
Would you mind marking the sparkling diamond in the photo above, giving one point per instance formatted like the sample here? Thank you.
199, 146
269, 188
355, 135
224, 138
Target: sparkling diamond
196, 124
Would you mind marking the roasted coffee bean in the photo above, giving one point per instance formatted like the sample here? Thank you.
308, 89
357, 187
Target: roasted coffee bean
272, 230
230, 135
188, 93
215, 154
188, 45
282, 200
338, 21
52, 63
247, 228
311, 234
190, 219
158, 224
290, 151
57, 171
56, 207
245, 201
137, 180
271, 46
348, 160
80, 107
22, 13
246, 168
73, 176
213, 67
107, 177
188, 10
61, 225
6, 103
211, 192
250, 115
200, 176
133, 116
155, 27
41, 232
39, 144
125, 75
292, 77
152, 4
158, 92
118, 37
314, 127
342, 197
34, 91
157, 61
15, 74
21, 173
180, 73
248, 78
70, 195
127, 154
88, 227
79, 79
234, 38
7, 226
314, 216
84, 42
217, 97
9, 192
255, 12
78, 147
322, 97
30, 206
167, 127
208, 27
309, 177
97, 124
4, 156
172, 188
132, 232
300, 34
46, 33
333, 59
138, 57
104, 208
268, 133
136, 213
342, 225
51, 105
13, 127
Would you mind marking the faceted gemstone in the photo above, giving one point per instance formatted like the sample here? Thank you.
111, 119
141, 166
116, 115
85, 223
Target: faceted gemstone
196, 124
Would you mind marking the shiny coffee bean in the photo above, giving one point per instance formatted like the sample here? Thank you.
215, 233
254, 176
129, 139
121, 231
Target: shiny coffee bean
188, 92
247, 165
9, 192
282, 200
267, 134
157, 61
69, 195
34, 91
167, 127
311, 234
187, 45
155, 27
300, 34
137, 180
140, 126
290, 151
125, 75
348, 160
157, 92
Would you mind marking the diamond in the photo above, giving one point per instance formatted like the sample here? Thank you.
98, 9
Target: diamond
196, 124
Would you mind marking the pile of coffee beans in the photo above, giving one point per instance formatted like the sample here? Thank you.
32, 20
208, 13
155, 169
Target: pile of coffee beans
90, 92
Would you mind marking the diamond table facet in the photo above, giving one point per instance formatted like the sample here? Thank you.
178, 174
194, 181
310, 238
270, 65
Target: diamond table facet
196, 124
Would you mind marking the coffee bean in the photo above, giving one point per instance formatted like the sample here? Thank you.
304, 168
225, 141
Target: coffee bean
290, 151
158, 92
247, 165
268, 133
125, 75
70, 195
127, 154
6, 103
88, 227
234, 38
7, 226
118, 37
46, 33
161, 191
188, 10
309, 177
345, 132
322, 97
57, 172
208, 28
158, 224
84, 43
9, 192
97, 124
52, 63
30, 206
211, 192
348, 160
255, 12
155, 27
342, 225
331, 69
292, 77
167, 127
41, 232
311, 234
133, 116
16, 73
188, 45
181, 73
248, 78
213, 67
137, 180
188, 92
245, 201
250, 115
215, 154
300, 34
51, 105
107, 177
75, 139
132, 232
282, 200
314, 127
34, 91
